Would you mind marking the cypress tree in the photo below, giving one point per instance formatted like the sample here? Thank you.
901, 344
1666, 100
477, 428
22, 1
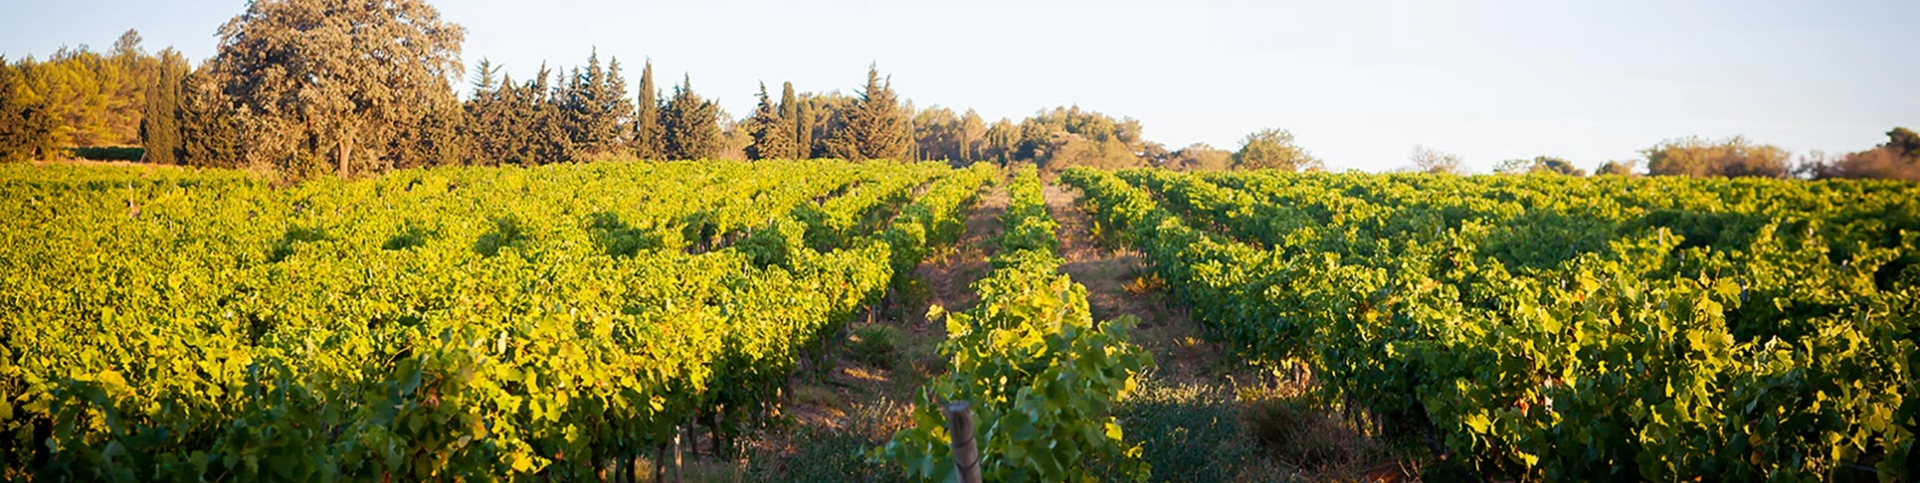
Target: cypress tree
877, 129
649, 136
772, 136
790, 121
160, 114
209, 125
803, 118
692, 125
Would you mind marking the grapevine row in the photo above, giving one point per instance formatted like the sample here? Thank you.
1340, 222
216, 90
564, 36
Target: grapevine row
444, 323
1041, 377
1565, 330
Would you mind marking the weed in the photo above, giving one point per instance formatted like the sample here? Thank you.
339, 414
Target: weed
875, 346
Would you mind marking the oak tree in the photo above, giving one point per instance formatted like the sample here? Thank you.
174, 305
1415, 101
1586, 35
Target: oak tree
336, 81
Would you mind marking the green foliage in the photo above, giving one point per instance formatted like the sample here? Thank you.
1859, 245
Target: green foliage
1199, 157
799, 115
1043, 379
1898, 158
1546, 165
1028, 227
316, 102
451, 323
649, 135
106, 153
1274, 149
1615, 168
161, 114
1054, 139
1904, 142
1188, 432
596, 107
876, 126
939, 134
1733, 157
1563, 329
833, 453
25, 130
691, 125
875, 346
771, 129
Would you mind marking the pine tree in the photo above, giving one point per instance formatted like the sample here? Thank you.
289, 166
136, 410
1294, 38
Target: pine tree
692, 125
514, 116
489, 144
25, 128
131, 69
772, 136
579, 111
547, 131
973, 131
877, 129
649, 136
619, 109
436, 139
596, 109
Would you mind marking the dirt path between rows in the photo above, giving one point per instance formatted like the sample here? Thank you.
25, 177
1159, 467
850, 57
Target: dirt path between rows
864, 396
1119, 284
950, 278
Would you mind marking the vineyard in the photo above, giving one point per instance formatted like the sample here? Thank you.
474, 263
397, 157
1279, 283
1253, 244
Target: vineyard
450, 323
564, 322
1558, 328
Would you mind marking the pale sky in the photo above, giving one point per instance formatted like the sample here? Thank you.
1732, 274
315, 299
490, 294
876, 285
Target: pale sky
1358, 82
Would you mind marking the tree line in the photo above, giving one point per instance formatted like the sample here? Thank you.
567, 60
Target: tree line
308, 87
1736, 156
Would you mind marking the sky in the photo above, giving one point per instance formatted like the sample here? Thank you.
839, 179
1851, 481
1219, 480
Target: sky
1359, 83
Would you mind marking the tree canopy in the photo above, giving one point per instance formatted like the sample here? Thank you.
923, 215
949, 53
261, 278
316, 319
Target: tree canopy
1274, 149
877, 128
691, 124
1539, 164
1435, 162
307, 87
1731, 157
1898, 158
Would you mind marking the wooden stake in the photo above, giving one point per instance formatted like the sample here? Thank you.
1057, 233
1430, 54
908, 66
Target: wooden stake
966, 456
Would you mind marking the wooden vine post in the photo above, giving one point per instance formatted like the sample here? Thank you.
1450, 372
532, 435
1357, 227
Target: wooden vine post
966, 456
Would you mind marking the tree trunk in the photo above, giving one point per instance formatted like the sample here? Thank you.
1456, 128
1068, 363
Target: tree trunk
345, 151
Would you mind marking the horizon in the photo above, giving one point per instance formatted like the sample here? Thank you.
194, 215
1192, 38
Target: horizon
1359, 84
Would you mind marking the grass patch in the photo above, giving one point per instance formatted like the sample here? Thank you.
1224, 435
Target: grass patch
808, 395
1188, 432
875, 346
829, 454
1300, 431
